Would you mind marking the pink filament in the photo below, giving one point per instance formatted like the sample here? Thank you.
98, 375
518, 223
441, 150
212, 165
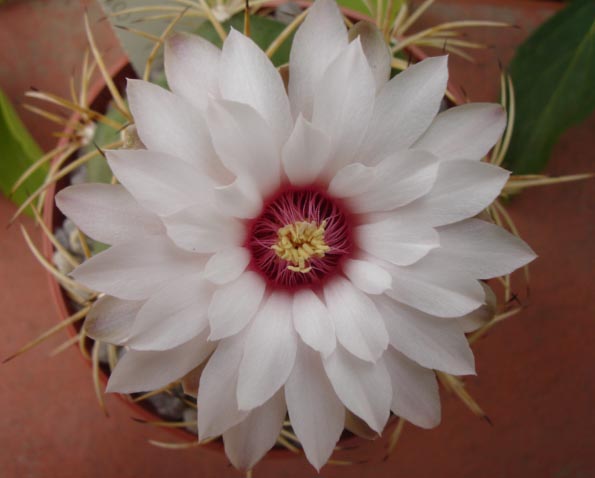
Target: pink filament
289, 207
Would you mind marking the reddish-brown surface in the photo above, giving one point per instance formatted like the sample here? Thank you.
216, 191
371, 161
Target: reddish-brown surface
535, 376
43, 43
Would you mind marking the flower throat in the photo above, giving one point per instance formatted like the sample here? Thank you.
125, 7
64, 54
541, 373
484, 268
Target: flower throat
299, 238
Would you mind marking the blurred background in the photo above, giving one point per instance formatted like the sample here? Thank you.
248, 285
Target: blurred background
535, 379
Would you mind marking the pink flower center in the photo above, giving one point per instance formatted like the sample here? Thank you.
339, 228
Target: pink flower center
300, 238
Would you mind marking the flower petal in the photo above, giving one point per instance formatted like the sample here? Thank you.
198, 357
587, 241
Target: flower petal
358, 427
191, 67
227, 265
141, 371
248, 441
317, 415
234, 304
480, 249
312, 321
398, 180
137, 270
396, 242
480, 317
463, 188
173, 315
432, 342
199, 229
167, 123
351, 180
343, 108
404, 108
244, 143
305, 153
415, 390
464, 132
217, 405
436, 291
107, 213
111, 319
310, 57
367, 276
269, 353
161, 183
239, 199
246, 75
376, 50
358, 324
363, 387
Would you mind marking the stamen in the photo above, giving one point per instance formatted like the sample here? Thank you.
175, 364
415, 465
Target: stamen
299, 242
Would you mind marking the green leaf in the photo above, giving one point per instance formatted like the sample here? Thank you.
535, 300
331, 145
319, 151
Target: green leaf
356, 6
263, 30
554, 77
18, 151
361, 7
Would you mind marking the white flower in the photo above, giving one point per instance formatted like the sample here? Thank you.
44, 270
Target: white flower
318, 245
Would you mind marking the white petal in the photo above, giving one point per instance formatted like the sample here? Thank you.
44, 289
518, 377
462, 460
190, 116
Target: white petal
404, 108
173, 315
432, 342
399, 179
199, 229
462, 189
436, 291
305, 153
480, 317
358, 427
359, 326
161, 183
476, 319
227, 265
397, 242
313, 322
141, 371
246, 75
376, 50
247, 442
245, 143
107, 213
316, 413
167, 123
191, 66
342, 109
137, 270
110, 320
217, 404
415, 390
239, 199
269, 354
351, 180
480, 249
234, 304
363, 387
367, 277
464, 132
310, 57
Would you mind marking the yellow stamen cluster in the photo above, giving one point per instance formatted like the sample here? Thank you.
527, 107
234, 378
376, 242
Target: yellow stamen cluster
299, 242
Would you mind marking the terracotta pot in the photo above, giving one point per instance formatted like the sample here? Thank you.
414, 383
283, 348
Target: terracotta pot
100, 97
